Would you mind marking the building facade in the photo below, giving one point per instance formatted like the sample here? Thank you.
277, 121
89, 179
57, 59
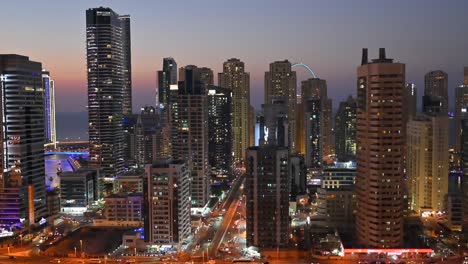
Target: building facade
316, 89
122, 209
23, 190
464, 163
109, 86
220, 141
50, 130
127, 64
237, 80
274, 123
267, 194
380, 148
280, 83
168, 202
189, 130
461, 109
166, 78
313, 134
345, 130
427, 163
78, 190
435, 99
336, 196
411, 97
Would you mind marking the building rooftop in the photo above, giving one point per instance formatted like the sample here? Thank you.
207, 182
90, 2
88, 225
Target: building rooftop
124, 195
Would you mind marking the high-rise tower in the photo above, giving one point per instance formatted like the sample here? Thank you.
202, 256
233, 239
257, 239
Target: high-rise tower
267, 188
345, 130
22, 186
109, 86
380, 148
237, 80
127, 64
166, 78
427, 162
461, 109
435, 99
280, 83
411, 97
49, 107
316, 88
189, 130
219, 130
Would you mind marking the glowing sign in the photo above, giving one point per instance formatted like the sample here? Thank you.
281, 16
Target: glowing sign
265, 136
388, 250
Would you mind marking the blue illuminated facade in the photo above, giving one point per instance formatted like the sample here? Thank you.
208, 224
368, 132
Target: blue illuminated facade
49, 108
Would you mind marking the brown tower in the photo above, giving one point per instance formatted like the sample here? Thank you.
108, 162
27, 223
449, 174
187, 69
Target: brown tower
380, 148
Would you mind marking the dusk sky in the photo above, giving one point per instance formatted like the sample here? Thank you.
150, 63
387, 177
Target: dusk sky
327, 35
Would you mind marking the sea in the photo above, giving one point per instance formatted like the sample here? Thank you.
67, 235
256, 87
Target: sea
72, 126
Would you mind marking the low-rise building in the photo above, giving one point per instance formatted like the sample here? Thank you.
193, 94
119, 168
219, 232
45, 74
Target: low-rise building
122, 209
78, 190
53, 202
336, 196
129, 182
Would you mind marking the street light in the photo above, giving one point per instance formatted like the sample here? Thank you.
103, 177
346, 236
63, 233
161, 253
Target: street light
81, 247
75, 253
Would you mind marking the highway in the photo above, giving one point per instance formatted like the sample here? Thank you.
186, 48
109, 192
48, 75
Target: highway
230, 204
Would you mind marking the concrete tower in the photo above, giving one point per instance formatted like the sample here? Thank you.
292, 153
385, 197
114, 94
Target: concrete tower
380, 148
237, 80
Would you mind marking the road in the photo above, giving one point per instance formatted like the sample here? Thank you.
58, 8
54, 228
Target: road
231, 203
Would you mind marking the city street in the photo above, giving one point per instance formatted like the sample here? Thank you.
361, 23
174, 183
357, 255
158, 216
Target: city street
232, 205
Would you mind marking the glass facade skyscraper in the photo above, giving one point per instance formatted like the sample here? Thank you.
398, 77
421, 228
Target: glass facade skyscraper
49, 108
22, 186
109, 86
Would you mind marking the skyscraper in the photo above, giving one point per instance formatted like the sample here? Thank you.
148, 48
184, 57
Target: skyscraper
206, 77
280, 83
316, 88
129, 137
336, 197
435, 99
167, 196
274, 123
427, 163
150, 137
313, 135
109, 86
22, 187
345, 130
464, 159
219, 130
411, 97
380, 145
166, 78
237, 80
49, 107
189, 135
127, 64
461, 109
267, 190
